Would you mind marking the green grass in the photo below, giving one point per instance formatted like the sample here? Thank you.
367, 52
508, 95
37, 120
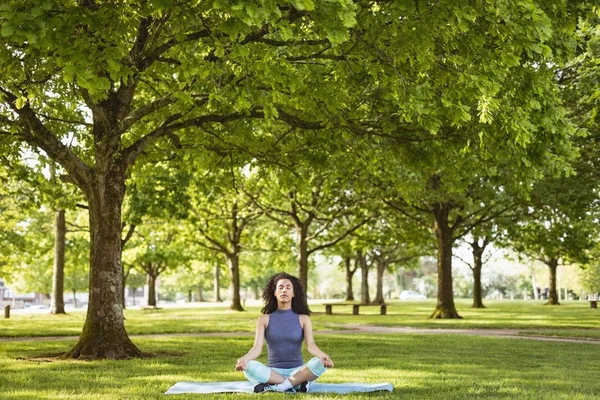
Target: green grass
504, 314
571, 319
419, 367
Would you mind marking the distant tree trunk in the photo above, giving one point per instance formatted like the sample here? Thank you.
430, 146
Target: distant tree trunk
444, 240
477, 250
302, 231
151, 279
233, 257
381, 266
349, 275
125, 276
74, 298
217, 284
364, 272
57, 302
553, 295
234, 270
200, 293
189, 296
256, 292
477, 295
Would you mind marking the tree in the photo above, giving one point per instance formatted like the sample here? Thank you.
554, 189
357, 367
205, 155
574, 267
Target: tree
477, 110
590, 278
220, 214
96, 85
157, 247
320, 210
557, 224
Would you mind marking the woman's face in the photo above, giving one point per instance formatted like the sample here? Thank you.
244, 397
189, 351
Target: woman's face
284, 290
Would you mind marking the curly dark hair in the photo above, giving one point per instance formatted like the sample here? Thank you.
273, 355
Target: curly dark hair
299, 303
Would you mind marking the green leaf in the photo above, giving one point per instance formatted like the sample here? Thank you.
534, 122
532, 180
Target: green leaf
303, 5
7, 30
20, 102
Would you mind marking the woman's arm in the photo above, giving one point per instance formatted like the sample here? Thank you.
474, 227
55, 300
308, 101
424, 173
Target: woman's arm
259, 339
311, 346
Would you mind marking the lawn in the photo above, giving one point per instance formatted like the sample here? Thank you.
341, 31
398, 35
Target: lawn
419, 367
571, 319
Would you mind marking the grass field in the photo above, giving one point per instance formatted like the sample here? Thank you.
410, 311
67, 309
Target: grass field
571, 319
419, 366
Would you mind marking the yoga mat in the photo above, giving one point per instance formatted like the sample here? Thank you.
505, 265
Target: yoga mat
247, 387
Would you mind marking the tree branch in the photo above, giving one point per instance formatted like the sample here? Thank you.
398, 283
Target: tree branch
128, 235
339, 239
38, 135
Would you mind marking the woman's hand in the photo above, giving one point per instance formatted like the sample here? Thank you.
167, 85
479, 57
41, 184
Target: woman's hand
242, 364
326, 360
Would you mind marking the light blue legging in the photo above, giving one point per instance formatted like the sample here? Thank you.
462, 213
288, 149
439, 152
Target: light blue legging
257, 372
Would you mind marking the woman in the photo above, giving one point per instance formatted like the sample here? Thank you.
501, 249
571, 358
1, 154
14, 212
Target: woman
284, 324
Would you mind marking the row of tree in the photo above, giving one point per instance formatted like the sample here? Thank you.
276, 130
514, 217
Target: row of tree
359, 125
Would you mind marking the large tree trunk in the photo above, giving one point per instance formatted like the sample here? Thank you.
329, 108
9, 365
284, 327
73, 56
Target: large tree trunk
349, 275
151, 290
104, 334
444, 239
303, 256
553, 295
477, 266
57, 302
234, 270
364, 274
217, 284
381, 266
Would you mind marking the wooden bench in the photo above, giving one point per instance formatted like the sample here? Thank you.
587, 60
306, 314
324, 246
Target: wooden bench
355, 307
593, 303
151, 309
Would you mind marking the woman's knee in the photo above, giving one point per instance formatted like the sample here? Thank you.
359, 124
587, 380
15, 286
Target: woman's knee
257, 372
316, 366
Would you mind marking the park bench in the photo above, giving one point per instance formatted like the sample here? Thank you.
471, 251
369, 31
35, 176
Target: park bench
151, 309
355, 307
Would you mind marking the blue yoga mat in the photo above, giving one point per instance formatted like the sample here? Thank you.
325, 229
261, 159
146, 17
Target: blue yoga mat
247, 387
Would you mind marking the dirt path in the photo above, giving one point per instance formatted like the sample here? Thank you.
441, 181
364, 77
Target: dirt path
349, 329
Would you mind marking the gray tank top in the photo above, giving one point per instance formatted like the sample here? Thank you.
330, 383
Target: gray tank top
284, 337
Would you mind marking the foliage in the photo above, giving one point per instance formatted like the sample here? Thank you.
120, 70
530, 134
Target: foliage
590, 278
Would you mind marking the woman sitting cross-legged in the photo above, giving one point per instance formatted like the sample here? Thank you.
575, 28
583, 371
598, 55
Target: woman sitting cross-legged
285, 323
